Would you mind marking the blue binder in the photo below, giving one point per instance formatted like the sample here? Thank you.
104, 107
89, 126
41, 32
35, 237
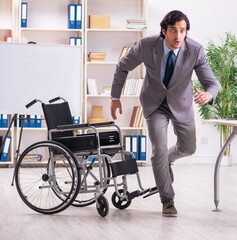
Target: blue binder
5, 151
78, 16
32, 121
4, 120
24, 13
78, 41
38, 121
127, 142
134, 145
72, 41
72, 16
142, 147
25, 120
76, 120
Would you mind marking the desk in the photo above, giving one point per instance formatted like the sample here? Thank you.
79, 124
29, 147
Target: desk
232, 123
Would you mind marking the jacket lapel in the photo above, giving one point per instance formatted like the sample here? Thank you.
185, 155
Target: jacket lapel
157, 56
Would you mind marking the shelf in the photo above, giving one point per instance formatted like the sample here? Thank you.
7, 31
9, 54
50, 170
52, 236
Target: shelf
116, 30
51, 30
101, 63
33, 129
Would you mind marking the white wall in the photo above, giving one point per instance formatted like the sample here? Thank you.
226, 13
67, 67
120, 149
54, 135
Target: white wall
209, 20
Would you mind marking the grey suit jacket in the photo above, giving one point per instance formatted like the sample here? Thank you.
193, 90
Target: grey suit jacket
179, 93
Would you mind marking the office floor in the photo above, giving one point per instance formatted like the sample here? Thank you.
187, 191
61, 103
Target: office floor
142, 220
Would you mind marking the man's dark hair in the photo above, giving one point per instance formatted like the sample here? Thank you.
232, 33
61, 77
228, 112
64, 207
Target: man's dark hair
171, 18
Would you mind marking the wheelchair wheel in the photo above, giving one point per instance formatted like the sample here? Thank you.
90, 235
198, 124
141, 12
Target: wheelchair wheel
47, 177
91, 172
118, 203
102, 206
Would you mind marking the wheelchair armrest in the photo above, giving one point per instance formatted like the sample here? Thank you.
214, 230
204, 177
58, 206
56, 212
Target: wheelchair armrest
72, 126
102, 124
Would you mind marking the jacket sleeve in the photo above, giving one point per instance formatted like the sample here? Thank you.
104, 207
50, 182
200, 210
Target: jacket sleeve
205, 74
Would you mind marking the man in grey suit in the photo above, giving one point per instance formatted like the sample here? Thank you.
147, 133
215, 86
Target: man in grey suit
167, 95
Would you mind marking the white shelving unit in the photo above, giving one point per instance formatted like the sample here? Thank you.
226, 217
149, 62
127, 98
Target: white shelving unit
47, 23
112, 41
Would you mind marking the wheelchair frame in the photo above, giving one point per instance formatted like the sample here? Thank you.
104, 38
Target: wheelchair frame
64, 177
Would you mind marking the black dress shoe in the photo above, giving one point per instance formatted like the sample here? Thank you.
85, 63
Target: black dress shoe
169, 209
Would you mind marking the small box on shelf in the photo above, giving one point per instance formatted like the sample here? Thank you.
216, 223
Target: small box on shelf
99, 22
97, 115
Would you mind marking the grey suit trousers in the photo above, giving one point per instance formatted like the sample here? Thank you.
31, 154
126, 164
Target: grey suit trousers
157, 124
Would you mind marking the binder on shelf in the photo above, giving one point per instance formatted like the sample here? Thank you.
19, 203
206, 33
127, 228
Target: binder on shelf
38, 121
127, 142
24, 14
25, 119
4, 120
76, 120
78, 41
78, 22
32, 121
72, 16
72, 41
75, 41
5, 151
142, 147
134, 145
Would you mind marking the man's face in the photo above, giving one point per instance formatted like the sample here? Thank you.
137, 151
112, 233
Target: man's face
175, 34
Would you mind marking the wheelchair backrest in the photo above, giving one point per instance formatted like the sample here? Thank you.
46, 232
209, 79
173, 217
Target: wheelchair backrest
57, 114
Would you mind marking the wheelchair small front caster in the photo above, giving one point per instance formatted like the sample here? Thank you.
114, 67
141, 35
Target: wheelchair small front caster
102, 206
118, 203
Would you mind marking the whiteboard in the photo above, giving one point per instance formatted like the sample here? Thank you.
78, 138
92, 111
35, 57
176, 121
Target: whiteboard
36, 71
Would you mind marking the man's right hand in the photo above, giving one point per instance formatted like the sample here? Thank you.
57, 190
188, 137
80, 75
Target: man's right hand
115, 104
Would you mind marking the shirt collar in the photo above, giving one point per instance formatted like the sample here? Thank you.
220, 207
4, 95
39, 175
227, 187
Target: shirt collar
166, 49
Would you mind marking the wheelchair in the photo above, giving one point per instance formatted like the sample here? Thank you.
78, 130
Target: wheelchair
76, 165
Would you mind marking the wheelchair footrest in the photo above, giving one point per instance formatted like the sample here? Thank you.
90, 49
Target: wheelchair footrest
137, 193
152, 191
133, 195
124, 167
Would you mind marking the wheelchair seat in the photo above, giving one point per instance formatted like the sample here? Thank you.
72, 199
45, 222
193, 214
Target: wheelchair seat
59, 122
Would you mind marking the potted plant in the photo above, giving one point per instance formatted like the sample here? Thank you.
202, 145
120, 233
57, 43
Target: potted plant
223, 62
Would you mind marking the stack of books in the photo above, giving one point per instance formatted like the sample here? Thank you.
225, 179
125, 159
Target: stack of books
136, 24
137, 117
96, 56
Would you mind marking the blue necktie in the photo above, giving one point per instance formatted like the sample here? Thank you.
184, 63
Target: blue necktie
169, 68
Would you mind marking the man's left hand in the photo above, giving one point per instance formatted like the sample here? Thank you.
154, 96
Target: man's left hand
202, 98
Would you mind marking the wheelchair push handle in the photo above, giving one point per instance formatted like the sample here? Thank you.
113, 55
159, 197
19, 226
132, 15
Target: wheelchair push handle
32, 103
56, 99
